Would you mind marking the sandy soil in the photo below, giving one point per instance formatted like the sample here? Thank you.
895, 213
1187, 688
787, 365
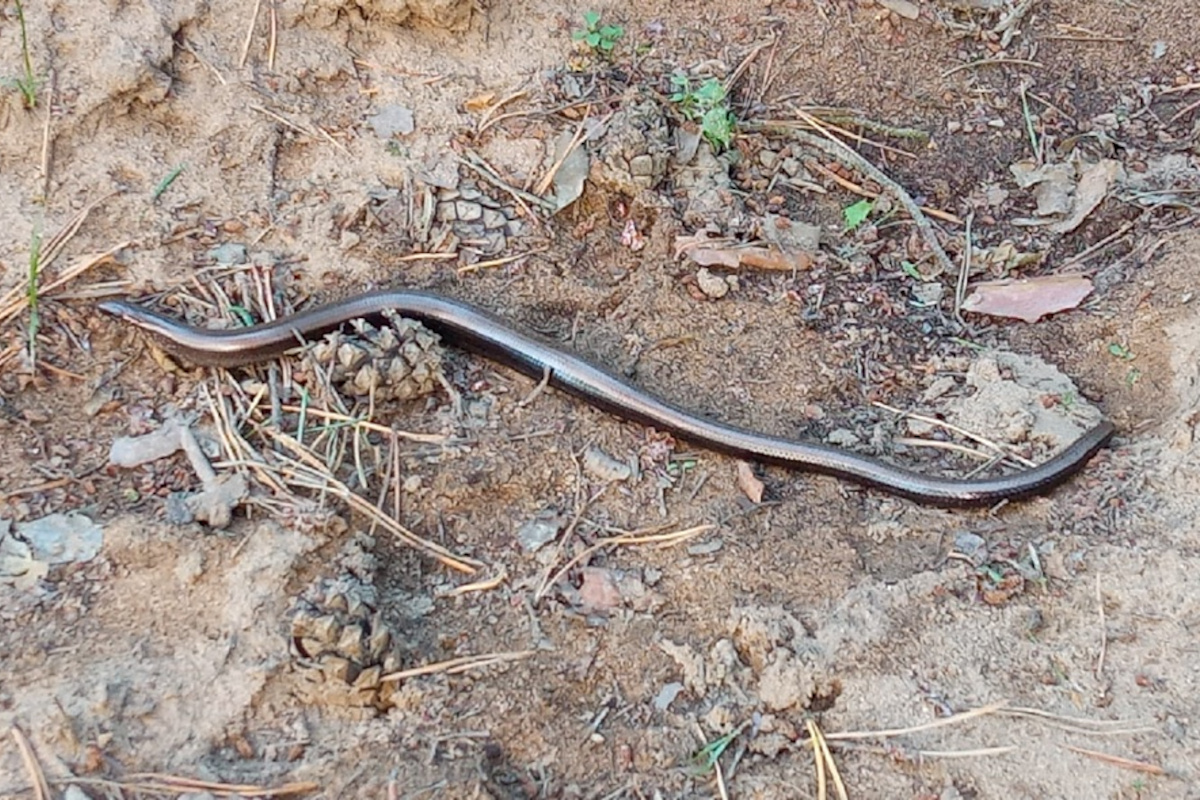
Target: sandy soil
317, 149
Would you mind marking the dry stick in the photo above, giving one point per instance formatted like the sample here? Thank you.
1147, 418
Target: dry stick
1185, 87
1186, 110
485, 120
833, 115
546, 112
423, 438
851, 186
457, 665
235, 445
156, 783
1118, 761
10, 308
1084, 255
1025, 462
249, 34
537, 390
953, 719
821, 749
662, 539
824, 126
398, 502
498, 262
273, 36
544, 184
484, 585
839, 150
476, 164
46, 139
990, 62
964, 273
818, 758
745, 64
427, 256
41, 789
580, 506
315, 131
891, 752
1086, 727
913, 441
1099, 669
769, 75
308, 471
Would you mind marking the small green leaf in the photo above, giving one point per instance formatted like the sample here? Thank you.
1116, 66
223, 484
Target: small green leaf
711, 92
593, 39
607, 45
857, 213
612, 31
717, 126
243, 314
591, 18
1120, 351
910, 269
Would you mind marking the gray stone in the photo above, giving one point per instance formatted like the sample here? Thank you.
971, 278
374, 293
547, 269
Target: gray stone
392, 120
467, 211
493, 219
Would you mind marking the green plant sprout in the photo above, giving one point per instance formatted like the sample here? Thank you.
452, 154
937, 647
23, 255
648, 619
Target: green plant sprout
856, 213
32, 279
601, 38
27, 85
708, 105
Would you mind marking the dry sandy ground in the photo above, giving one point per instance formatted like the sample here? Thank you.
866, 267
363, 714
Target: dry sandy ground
175, 649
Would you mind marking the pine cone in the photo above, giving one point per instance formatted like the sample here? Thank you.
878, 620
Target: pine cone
400, 360
340, 637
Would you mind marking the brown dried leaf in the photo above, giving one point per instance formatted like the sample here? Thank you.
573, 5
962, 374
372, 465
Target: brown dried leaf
598, 590
902, 7
774, 259
749, 483
1028, 299
1093, 187
480, 101
768, 258
712, 256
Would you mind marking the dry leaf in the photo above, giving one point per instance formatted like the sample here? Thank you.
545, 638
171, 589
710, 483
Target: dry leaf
598, 590
774, 259
480, 101
631, 237
1028, 299
902, 7
749, 483
1091, 191
687, 242
715, 251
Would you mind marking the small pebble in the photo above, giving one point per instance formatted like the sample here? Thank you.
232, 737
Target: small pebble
843, 437
392, 120
713, 286
938, 388
539, 531
228, 253
602, 466
667, 695
971, 545
467, 211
